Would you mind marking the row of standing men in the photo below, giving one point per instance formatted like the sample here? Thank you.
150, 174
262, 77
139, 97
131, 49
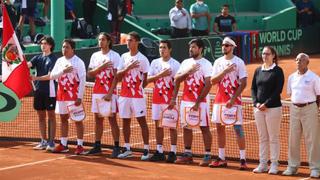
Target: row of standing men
132, 69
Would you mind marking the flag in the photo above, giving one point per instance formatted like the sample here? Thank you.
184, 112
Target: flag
15, 71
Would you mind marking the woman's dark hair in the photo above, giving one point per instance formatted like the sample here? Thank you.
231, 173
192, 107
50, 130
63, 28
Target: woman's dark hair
274, 52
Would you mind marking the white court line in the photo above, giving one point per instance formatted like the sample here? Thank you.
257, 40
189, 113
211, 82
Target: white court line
18, 146
34, 163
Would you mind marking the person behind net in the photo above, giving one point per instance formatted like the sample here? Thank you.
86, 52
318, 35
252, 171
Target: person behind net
266, 88
304, 90
133, 71
201, 18
45, 92
161, 73
116, 13
224, 22
27, 10
180, 20
70, 73
229, 73
103, 67
195, 73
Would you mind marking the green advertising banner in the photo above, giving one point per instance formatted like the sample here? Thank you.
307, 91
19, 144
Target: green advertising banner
290, 42
9, 104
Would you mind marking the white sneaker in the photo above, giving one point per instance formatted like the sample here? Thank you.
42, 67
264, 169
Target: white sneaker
145, 156
290, 171
274, 168
261, 168
314, 174
125, 154
41, 146
50, 147
45, 19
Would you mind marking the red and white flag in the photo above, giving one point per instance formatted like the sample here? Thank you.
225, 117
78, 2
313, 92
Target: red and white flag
15, 71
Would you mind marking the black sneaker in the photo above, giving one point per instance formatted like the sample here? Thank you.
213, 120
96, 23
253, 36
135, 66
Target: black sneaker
115, 152
94, 150
171, 157
158, 157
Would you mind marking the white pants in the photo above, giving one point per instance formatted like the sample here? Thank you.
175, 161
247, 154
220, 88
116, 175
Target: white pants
132, 107
94, 107
304, 121
268, 124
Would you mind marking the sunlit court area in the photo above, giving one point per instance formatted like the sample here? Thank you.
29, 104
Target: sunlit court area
74, 72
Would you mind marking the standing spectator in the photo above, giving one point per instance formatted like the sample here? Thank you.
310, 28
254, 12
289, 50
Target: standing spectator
229, 72
27, 10
200, 18
45, 10
180, 21
304, 89
103, 66
133, 71
266, 91
195, 73
69, 9
89, 8
224, 22
70, 72
45, 93
117, 11
306, 13
162, 73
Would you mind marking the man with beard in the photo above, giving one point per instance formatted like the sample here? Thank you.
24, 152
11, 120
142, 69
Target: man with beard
230, 74
195, 73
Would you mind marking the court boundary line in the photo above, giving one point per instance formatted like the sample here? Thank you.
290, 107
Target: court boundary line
35, 163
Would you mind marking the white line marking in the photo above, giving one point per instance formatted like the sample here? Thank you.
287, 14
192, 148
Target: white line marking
34, 163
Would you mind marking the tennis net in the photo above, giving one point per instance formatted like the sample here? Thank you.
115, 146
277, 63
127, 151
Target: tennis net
25, 127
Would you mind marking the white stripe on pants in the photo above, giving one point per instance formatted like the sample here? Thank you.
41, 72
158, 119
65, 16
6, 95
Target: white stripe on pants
268, 125
304, 121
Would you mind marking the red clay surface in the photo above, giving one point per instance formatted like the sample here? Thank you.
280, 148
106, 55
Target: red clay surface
19, 161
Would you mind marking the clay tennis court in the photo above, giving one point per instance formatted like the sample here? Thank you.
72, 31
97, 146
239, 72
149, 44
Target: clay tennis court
19, 161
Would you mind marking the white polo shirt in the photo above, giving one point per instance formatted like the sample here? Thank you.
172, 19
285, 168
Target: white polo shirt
303, 88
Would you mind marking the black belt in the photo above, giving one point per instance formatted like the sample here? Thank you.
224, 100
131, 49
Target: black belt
303, 104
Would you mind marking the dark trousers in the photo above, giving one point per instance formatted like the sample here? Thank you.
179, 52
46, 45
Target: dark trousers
179, 33
89, 7
195, 32
115, 31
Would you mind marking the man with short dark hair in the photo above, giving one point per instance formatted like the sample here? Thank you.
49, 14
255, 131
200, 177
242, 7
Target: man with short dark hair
161, 73
224, 22
180, 20
201, 18
133, 70
71, 74
195, 73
